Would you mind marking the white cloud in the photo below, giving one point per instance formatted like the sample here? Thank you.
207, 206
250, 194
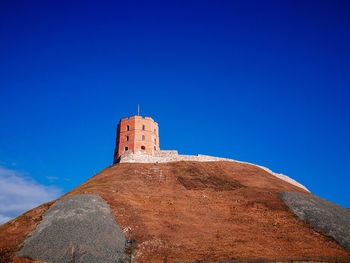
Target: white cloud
4, 219
52, 178
19, 193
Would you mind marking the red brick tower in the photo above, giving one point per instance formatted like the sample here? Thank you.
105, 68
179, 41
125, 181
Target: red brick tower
136, 134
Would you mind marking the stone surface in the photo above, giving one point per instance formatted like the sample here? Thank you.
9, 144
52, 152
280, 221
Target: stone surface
78, 228
322, 214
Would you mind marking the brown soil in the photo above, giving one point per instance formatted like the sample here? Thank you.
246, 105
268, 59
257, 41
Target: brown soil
13, 233
185, 211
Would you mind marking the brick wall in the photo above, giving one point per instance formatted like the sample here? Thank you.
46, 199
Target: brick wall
136, 134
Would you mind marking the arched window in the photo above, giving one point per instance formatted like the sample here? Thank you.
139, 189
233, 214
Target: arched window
143, 137
143, 127
126, 148
155, 148
127, 127
127, 138
143, 148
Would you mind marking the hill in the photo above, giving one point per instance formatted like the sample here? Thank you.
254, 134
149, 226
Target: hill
187, 211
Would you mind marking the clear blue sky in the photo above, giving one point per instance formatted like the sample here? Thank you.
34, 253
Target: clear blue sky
265, 82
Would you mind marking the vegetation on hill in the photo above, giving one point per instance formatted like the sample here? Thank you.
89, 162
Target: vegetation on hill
187, 211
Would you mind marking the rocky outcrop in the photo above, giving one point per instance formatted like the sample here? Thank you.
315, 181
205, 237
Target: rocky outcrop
79, 228
322, 214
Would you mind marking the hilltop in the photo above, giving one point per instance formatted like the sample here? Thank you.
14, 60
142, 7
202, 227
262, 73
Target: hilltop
186, 211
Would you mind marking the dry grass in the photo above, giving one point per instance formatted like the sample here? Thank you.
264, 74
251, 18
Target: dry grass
186, 211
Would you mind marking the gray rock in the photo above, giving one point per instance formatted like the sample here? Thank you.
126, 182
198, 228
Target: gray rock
79, 228
324, 215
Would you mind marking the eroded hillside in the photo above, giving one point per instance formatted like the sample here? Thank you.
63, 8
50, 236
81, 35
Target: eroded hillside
184, 211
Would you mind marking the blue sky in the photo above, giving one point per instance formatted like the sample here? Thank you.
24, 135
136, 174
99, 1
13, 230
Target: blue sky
265, 82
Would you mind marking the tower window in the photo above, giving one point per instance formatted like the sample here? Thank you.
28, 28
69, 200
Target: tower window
127, 127
143, 137
126, 148
127, 138
155, 148
143, 127
143, 148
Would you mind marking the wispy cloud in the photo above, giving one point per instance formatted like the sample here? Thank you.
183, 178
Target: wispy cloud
4, 219
52, 178
19, 193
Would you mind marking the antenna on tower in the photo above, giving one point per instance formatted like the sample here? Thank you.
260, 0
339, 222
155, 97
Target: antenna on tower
138, 109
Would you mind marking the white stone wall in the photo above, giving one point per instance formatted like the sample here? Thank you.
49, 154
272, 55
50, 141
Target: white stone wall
164, 156
165, 153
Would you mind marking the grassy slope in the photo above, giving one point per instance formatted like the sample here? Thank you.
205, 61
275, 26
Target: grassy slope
192, 210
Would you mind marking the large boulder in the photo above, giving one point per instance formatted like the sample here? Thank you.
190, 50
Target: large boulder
322, 214
78, 228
